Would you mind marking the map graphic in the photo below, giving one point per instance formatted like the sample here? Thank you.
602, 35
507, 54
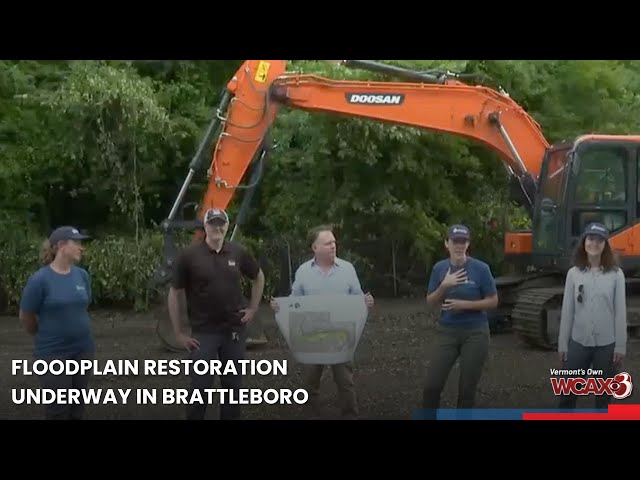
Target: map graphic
322, 329
315, 332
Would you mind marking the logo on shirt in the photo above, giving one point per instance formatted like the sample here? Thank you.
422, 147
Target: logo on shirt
232, 262
80, 287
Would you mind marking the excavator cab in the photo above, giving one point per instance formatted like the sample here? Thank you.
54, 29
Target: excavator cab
592, 180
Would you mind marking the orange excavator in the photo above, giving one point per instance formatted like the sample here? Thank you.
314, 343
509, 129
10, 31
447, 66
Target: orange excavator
562, 187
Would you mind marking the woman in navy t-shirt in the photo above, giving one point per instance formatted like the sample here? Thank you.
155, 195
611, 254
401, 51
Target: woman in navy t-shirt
464, 289
54, 309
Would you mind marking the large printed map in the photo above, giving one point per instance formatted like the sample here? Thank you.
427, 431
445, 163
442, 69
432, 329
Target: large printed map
315, 332
322, 329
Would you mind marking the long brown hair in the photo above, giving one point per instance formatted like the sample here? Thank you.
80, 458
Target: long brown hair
47, 252
608, 261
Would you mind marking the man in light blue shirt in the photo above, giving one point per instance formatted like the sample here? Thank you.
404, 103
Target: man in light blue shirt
326, 274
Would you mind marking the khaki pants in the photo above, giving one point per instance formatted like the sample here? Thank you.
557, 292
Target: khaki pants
343, 377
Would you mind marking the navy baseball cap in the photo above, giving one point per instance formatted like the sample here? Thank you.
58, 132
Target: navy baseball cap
214, 214
597, 229
458, 232
66, 232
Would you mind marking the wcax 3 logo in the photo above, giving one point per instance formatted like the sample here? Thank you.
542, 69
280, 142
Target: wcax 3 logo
619, 387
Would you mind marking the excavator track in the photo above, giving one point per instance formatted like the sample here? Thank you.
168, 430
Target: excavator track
531, 319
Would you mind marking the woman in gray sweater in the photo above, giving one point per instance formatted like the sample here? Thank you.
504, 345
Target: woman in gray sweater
593, 326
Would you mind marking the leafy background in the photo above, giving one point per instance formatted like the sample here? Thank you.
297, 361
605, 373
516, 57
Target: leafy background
105, 145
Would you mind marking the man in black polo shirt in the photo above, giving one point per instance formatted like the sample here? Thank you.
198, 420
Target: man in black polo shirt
208, 276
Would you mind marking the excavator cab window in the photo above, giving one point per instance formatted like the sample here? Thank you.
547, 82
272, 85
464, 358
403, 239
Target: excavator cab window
601, 188
637, 184
553, 179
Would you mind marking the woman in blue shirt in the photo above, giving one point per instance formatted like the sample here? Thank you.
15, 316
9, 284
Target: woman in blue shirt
54, 309
464, 289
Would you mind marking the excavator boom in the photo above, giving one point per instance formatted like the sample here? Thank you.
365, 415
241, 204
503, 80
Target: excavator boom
479, 113
471, 112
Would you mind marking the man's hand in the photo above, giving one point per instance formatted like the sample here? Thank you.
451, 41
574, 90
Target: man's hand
562, 356
368, 300
248, 314
275, 306
189, 343
453, 304
617, 357
453, 279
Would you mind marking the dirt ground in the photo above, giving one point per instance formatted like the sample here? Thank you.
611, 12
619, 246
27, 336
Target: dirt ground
391, 362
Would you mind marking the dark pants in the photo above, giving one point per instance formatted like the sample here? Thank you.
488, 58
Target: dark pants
343, 378
596, 358
68, 411
472, 347
223, 347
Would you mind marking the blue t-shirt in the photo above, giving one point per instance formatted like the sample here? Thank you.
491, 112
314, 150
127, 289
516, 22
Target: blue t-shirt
480, 284
61, 303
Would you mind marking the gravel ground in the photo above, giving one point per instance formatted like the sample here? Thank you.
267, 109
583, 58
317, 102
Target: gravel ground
391, 361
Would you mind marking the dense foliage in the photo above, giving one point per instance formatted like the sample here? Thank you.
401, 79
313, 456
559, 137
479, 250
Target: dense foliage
105, 145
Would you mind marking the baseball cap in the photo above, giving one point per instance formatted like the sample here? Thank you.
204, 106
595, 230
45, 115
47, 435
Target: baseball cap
598, 229
66, 232
216, 214
458, 232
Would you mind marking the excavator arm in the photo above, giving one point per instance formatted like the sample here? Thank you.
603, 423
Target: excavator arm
430, 101
260, 88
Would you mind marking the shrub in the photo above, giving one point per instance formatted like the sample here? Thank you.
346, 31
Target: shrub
19, 258
120, 267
